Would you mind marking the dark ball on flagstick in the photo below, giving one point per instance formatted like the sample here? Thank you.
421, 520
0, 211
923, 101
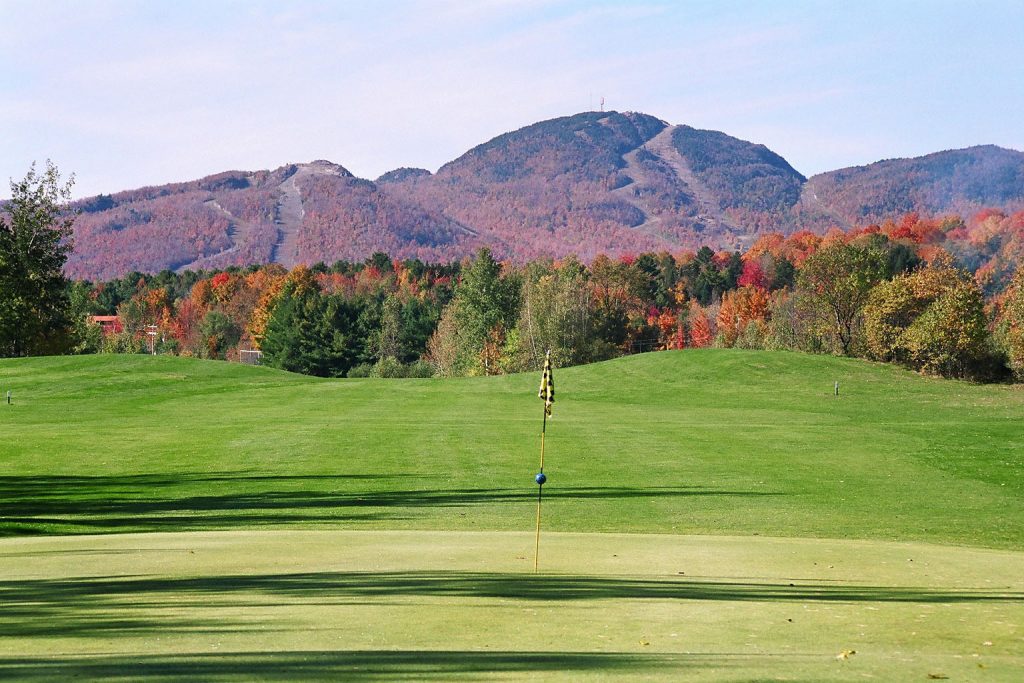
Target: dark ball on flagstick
540, 478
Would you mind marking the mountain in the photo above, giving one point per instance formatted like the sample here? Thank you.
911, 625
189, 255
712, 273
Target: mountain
596, 182
299, 213
961, 181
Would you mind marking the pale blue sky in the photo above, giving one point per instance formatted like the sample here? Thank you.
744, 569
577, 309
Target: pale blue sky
126, 94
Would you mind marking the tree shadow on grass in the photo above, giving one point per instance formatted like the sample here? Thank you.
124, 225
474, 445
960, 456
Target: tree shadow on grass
134, 604
74, 504
349, 665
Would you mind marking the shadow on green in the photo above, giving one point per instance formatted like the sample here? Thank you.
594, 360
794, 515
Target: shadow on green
149, 502
351, 665
62, 607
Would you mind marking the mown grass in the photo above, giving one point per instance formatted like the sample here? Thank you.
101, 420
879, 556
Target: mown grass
381, 529
440, 605
693, 442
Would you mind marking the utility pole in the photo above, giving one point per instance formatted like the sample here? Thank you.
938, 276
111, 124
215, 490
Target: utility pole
151, 331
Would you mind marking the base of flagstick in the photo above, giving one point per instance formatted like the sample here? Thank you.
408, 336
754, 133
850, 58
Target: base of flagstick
540, 479
536, 549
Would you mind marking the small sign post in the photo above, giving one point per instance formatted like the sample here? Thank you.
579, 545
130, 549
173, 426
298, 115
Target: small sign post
837, 388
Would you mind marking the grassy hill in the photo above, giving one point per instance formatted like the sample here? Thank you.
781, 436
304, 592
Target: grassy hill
694, 442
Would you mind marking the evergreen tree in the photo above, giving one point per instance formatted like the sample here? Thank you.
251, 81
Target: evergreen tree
732, 271
486, 299
219, 333
783, 274
389, 343
35, 231
703, 277
312, 333
648, 274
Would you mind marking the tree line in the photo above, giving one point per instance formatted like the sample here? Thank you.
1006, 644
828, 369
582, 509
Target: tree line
887, 292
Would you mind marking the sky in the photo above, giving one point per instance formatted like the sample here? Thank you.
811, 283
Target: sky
125, 94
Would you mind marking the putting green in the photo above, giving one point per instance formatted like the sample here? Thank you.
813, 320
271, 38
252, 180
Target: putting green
371, 605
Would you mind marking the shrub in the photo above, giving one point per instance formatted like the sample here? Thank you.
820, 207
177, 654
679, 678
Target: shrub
361, 370
388, 368
752, 336
419, 368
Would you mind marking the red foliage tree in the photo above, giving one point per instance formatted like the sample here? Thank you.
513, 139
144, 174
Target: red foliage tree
701, 334
752, 275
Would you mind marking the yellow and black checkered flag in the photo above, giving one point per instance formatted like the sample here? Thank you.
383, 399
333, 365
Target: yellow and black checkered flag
547, 385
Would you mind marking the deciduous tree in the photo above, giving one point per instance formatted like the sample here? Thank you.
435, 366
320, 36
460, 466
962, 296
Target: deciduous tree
932, 319
834, 284
1013, 320
35, 232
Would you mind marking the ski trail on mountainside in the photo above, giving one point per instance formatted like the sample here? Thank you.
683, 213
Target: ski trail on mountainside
661, 146
289, 211
288, 215
239, 232
640, 176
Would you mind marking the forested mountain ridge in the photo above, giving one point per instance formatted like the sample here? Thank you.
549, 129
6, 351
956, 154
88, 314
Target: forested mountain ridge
960, 181
595, 182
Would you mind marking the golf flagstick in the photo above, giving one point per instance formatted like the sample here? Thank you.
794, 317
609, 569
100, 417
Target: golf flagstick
547, 392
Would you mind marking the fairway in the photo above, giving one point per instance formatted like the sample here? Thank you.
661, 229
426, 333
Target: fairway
182, 518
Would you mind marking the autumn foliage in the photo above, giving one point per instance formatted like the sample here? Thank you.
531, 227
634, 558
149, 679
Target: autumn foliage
889, 291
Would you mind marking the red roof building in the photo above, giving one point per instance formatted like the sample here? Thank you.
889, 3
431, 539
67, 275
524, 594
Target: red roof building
110, 324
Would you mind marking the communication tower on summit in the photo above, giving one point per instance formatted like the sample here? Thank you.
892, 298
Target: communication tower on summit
602, 103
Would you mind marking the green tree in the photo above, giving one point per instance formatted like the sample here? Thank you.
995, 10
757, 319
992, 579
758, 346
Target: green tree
35, 240
833, 287
419, 318
555, 314
444, 346
389, 342
220, 334
900, 258
484, 300
732, 271
380, 261
648, 276
703, 278
88, 336
932, 319
312, 333
783, 274
950, 337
